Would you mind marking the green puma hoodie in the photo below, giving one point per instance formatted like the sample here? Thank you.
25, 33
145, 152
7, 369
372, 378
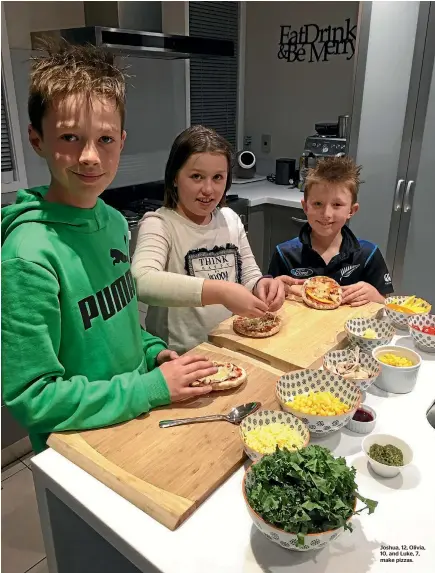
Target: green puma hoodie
74, 356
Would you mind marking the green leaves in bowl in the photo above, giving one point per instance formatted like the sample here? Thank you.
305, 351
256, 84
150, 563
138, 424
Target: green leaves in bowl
307, 491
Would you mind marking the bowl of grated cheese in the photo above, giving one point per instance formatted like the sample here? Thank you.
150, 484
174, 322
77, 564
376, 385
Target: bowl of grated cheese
263, 431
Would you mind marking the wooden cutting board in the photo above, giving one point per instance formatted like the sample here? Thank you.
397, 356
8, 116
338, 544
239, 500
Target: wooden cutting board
169, 472
306, 335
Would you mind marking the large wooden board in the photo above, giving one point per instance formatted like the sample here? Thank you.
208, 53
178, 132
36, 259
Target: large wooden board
169, 472
306, 335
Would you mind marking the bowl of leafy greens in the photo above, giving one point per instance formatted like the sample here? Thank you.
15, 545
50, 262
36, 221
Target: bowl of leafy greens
302, 500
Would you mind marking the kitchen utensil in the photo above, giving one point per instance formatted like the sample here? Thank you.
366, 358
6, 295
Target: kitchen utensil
356, 327
397, 379
362, 427
400, 319
234, 416
304, 381
284, 538
425, 342
266, 417
331, 359
383, 440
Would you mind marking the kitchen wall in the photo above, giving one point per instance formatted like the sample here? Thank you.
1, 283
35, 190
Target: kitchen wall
285, 99
156, 95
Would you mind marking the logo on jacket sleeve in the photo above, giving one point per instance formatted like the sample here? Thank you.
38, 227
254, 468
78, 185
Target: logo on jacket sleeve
346, 271
387, 278
301, 273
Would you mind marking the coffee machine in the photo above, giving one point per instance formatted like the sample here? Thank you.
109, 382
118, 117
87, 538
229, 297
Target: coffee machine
330, 139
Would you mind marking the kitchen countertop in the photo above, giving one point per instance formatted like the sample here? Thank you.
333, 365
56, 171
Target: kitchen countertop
221, 538
265, 192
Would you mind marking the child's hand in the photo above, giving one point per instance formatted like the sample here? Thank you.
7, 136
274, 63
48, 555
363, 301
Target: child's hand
270, 291
289, 281
166, 356
361, 293
181, 372
235, 297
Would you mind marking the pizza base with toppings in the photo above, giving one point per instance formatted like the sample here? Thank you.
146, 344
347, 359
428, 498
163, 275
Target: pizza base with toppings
322, 293
262, 327
228, 376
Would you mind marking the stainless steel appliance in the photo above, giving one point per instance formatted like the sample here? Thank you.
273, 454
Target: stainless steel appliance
392, 137
135, 29
316, 147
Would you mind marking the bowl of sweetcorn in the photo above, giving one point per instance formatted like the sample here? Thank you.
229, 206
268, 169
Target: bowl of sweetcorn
399, 368
324, 401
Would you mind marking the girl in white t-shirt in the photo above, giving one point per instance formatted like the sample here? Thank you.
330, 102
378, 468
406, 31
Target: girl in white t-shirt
193, 264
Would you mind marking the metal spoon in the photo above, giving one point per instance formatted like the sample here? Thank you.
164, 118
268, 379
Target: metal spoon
234, 416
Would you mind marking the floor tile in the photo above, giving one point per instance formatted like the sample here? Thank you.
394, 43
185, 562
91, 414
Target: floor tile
22, 544
41, 567
27, 459
12, 469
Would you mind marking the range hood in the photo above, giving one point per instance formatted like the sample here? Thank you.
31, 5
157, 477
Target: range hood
135, 29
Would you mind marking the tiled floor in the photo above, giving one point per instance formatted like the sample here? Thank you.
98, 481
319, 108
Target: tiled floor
22, 547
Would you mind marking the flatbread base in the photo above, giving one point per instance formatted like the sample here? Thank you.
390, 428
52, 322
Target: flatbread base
220, 385
238, 328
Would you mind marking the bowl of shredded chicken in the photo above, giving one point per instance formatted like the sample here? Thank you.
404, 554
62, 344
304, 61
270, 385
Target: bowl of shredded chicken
264, 431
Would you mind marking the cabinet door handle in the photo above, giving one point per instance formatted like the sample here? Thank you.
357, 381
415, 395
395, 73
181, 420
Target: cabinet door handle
299, 220
407, 198
397, 201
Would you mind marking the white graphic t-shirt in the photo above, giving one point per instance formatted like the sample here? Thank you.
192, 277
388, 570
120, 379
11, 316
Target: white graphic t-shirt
190, 254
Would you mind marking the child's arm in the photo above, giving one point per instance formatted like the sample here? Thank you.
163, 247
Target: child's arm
157, 287
34, 385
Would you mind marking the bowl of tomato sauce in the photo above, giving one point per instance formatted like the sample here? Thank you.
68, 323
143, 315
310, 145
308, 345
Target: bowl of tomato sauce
422, 329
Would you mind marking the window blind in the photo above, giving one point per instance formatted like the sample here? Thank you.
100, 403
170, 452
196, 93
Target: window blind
7, 155
213, 81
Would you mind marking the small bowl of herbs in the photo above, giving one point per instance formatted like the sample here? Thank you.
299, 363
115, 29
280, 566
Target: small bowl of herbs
302, 500
387, 455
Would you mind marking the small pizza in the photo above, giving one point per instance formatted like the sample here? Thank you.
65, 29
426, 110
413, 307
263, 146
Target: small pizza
322, 293
262, 327
228, 376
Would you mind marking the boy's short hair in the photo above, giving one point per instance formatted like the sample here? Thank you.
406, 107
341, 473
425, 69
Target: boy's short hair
341, 170
66, 69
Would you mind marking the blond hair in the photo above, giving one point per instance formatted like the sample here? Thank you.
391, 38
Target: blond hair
335, 170
63, 69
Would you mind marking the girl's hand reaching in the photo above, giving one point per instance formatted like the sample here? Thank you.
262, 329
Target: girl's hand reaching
234, 297
271, 291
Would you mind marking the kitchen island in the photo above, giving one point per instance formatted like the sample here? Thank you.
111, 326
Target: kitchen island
267, 193
89, 528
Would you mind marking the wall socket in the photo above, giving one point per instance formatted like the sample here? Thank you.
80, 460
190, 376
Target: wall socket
265, 143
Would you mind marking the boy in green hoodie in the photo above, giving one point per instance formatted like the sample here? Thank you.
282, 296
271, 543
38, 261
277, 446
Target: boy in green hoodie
73, 354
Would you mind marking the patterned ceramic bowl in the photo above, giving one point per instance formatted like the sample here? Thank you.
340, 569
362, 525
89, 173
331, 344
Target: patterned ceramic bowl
283, 538
355, 328
266, 417
367, 362
425, 342
400, 319
305, 381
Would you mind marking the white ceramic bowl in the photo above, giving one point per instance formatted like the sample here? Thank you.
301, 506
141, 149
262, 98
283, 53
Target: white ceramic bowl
285, 539
355, 328
397, 379
304, 381
425, 342
363, 427
400, 319
383, 440
266, 417
366, 360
